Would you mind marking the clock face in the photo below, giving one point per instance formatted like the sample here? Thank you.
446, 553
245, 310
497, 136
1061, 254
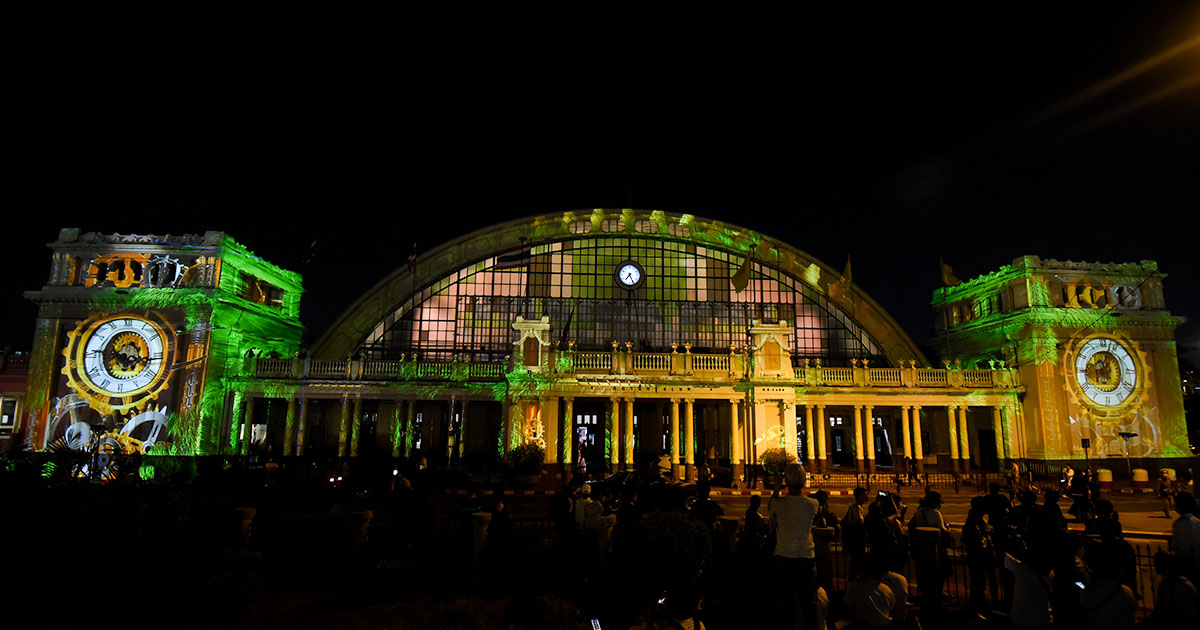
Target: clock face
629, 275
119, 362
1106, 372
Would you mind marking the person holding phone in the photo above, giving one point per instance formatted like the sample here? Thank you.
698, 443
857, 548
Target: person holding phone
794, 562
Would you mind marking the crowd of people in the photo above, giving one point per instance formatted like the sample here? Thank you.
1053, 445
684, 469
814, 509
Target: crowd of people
1024, 566
1023, 563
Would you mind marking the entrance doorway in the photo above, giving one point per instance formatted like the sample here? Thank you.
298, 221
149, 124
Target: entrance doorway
841, 455
367, 428
987, 450
590, 447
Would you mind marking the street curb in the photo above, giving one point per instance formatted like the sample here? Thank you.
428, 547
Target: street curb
742, 492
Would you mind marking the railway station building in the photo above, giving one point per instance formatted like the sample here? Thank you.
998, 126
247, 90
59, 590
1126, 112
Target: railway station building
609, 337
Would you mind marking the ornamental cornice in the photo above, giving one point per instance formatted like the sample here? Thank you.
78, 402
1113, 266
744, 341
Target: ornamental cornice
960, 290
70, 237
1053, 264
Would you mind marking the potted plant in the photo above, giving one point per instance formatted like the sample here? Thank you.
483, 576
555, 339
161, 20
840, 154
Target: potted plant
524, 463
773, 461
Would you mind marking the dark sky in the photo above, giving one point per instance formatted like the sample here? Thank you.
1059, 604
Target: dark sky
978, 138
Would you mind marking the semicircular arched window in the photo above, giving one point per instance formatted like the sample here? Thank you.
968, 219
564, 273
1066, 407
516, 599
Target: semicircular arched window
686, 296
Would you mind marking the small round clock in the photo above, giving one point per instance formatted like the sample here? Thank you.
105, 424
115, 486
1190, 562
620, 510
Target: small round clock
629, 275
119, 362
1106, 372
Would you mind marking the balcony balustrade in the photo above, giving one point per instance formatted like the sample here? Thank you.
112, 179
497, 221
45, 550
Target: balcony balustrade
685, 365
837, 376
884, 377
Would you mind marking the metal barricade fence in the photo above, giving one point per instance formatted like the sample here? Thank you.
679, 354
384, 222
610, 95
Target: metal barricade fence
531, 533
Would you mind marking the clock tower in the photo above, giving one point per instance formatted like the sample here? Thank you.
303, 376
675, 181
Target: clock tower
1093, 344
142, 338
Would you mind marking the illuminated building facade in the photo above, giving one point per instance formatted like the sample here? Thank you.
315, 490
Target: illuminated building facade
1095, 349
610, 337
144, 337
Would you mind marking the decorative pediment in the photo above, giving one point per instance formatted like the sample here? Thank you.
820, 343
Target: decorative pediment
533, 342
772, 356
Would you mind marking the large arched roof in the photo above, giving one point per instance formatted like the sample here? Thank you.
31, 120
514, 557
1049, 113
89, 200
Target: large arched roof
352, 327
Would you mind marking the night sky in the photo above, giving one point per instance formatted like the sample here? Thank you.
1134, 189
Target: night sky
974, 138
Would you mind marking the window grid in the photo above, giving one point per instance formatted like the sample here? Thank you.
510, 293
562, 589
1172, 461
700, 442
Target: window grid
686, 297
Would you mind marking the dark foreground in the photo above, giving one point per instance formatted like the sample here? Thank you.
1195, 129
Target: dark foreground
217, 545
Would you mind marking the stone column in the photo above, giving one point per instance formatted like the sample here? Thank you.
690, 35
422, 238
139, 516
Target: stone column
549, 419
629, 441
506, 428
655, 428
356, 427
303, 429
870, 439
964, 450
689, 436
787, 415
289, 427
918, 449
809, 439
613, 434
398, 432
344, 426
953, 427
568, 431
248, 431
451, 433
859, 455
998, 428
675, 437
905, 428
822, 443
739, 449
238, 421
462, 432
410, 414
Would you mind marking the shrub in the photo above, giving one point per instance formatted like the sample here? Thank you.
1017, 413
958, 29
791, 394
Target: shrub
774, 460
525, 459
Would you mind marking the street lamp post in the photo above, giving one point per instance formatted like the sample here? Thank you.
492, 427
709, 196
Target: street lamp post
1126, 436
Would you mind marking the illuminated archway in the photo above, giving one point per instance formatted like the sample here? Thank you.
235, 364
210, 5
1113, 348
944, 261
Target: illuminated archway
684, 289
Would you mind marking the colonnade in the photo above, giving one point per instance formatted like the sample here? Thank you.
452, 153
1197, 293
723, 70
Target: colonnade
746, 428
911, 440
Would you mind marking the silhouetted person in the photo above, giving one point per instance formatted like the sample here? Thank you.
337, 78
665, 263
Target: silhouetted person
854, 532
981, 559
825, 532
1185, 538
1177, 606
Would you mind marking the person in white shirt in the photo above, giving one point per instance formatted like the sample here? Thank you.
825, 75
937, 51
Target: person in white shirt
1031, 594
877, 600
794, 562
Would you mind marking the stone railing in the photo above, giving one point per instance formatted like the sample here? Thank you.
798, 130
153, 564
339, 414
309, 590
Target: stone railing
375, 370
643, 362
560, 364
487, 370
884, 376
932, 378
383, 369
710, 362
837, 376
274, 368
978, 378
327, 369
593, 361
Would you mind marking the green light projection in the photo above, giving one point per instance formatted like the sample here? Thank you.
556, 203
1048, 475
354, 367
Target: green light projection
227, 326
